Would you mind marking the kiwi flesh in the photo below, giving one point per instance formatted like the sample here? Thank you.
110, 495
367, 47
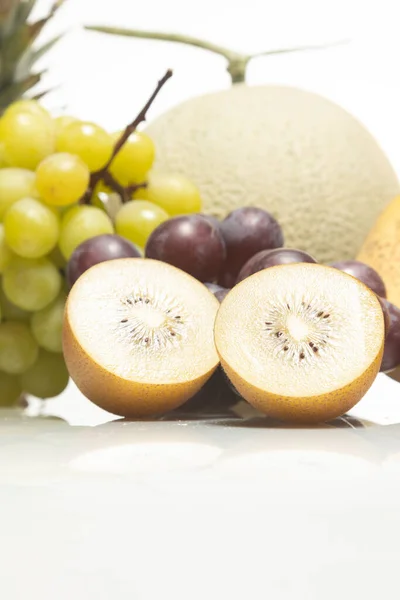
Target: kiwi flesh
301, 342
138, 336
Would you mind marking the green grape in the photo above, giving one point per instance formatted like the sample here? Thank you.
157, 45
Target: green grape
9, 311
15, 184
57, 258
61, 122
31, 284
134, 160
47, 324
31, 228
3, 162
81, 223
137, 219
176, 194
47, 378
26, 106
62, 179
89, 141
5, 252
10, 390
18, 348
28, 138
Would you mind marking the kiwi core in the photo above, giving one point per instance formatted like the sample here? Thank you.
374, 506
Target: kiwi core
300, 329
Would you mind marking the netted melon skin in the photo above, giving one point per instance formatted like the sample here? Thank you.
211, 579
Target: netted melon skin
292, 152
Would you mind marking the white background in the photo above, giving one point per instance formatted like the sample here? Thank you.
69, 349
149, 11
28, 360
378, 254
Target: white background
107, 79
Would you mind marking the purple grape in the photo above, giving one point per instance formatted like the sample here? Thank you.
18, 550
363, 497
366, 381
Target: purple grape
218, 291
191, 243
364, 273
246, 231
271, 258
215, 397
96, 250
213, 220
391, 354
386, 315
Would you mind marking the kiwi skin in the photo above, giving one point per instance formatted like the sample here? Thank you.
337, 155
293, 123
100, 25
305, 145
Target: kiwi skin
308, 410
123, 397
311, 409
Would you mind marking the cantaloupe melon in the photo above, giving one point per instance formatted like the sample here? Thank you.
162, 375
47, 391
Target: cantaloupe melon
292, 152
381, 249
300, 156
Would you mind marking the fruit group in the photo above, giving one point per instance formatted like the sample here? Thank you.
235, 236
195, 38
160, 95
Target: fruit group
138, 336
301, 342
190, 243
272, 258
289, 151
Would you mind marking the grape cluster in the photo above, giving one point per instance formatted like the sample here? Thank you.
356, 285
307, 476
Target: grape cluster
54, 226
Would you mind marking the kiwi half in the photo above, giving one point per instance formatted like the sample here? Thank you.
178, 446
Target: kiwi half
138, 336
301, 342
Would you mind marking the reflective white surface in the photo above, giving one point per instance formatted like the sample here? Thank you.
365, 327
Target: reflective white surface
226, 508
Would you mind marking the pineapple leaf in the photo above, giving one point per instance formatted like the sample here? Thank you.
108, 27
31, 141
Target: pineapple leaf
24, 10
8, 11
17, 89
37, 54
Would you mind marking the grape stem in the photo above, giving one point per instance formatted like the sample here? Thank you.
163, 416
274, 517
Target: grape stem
237, 62
104, 173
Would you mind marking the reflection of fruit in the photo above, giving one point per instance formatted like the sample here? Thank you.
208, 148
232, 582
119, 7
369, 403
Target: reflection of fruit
98, 249
301, 342
381, 250
271, 258
138, 336
136, 220
285, 150
364, 273
246, 231
190, 243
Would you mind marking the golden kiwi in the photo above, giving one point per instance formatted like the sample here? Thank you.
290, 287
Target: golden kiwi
138, 336
301, 342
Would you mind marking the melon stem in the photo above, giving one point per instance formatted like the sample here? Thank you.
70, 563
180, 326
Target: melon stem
237, 62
